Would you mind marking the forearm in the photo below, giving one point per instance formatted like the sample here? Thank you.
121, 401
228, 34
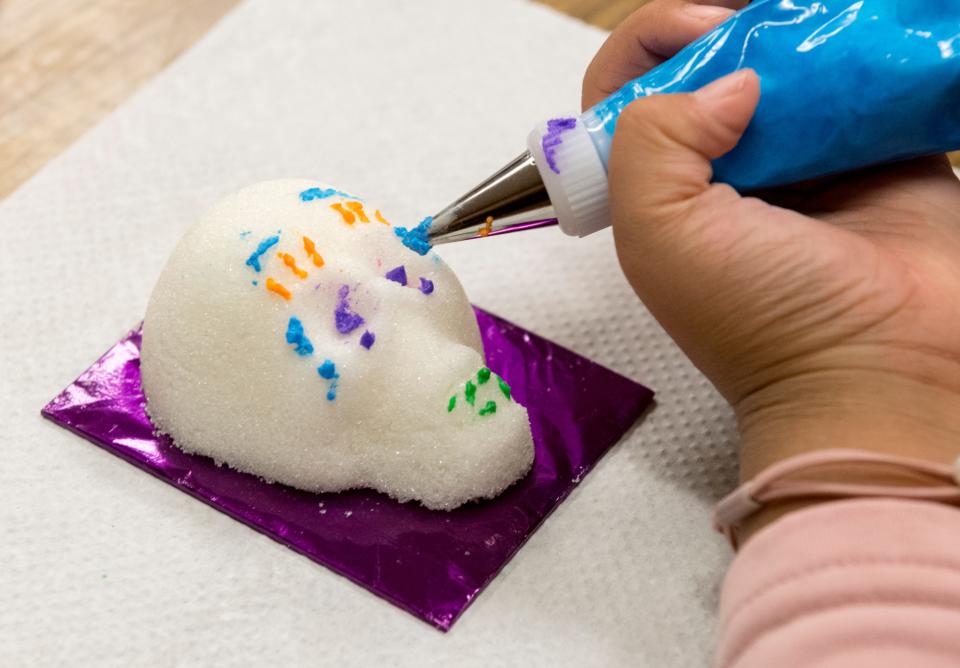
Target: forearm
848, 583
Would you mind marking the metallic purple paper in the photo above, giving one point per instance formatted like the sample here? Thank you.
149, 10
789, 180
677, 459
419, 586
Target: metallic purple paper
430, 563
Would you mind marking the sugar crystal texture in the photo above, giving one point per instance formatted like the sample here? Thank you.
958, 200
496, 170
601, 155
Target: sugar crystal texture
222, 378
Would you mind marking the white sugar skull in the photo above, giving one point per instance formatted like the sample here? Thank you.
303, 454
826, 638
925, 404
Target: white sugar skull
292, 335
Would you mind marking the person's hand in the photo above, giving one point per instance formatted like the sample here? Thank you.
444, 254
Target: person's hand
827, 314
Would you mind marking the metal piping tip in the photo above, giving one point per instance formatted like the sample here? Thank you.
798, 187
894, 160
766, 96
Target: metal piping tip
513, 199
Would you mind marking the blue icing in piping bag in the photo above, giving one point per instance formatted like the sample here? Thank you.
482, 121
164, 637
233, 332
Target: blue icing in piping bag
844, 84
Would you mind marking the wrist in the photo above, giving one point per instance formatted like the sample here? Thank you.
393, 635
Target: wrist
883, 414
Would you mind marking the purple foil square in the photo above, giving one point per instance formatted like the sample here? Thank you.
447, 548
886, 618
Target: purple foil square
430, 563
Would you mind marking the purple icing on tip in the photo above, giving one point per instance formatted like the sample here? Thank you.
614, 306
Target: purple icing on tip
368, 339
426, 286
550, 141
397, 275
430, 563
345, 319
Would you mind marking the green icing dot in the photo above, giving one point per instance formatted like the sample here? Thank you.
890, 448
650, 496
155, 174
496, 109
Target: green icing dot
470, 393
483, 375
504, 387
452, 404
489, 408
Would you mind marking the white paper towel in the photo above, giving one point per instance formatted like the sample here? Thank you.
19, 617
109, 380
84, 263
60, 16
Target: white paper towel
408, 104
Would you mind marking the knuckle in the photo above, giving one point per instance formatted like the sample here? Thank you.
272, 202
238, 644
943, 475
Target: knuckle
661, 119
718, 133
641, 16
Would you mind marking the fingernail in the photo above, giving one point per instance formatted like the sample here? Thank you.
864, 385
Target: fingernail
723, 87
707, 13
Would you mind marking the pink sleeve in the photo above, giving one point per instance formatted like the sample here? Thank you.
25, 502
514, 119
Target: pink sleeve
866, 582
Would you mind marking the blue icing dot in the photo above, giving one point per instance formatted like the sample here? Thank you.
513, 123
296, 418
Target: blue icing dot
262, 247
328, 371
254, 283
426, 286
296, 337
416, 239
368, 339
323, 193
397, 275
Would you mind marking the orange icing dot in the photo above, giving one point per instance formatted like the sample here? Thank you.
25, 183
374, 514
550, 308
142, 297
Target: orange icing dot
312, 253
348, 217
273, 286
487, 227
290, 262
379, 217
357, 208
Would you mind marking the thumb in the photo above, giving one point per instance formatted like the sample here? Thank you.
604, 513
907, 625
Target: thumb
661, 200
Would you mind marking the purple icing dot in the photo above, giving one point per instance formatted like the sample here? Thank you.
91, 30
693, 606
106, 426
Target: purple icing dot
345, 320
550, 141
426, 285
397, 275
368, 339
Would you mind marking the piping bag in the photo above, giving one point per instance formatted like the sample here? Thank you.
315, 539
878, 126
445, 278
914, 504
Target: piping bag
844, 84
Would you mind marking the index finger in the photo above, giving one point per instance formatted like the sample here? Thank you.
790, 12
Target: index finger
646, 38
